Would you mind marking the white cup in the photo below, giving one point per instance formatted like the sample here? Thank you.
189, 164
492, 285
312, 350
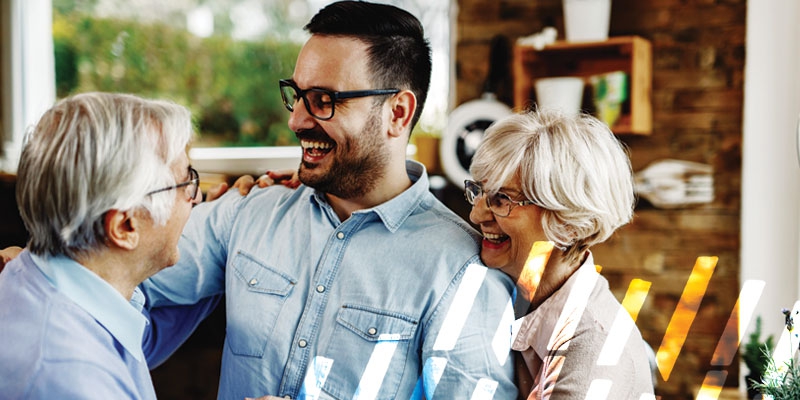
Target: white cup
586, 20
563, 92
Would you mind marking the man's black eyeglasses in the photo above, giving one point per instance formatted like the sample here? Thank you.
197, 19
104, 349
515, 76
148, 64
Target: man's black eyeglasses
320, 103
191, 186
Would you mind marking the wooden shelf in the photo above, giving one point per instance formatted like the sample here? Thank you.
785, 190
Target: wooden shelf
630, 54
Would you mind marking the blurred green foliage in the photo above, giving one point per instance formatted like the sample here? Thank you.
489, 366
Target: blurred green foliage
231, 86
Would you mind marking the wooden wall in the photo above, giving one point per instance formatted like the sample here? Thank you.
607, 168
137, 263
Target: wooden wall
698, 72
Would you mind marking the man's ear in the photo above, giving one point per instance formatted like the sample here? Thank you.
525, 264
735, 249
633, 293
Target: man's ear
122, 229
403, 106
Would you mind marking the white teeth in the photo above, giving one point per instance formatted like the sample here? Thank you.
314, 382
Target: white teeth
493, 236
306, 144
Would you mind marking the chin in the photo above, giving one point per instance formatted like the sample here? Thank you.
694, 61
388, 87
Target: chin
491, 263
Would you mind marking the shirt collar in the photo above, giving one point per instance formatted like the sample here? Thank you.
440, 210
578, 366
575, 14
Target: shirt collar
535, 329
122, 318
395, 211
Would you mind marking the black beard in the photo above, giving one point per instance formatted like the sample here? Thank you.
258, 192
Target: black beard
358, 167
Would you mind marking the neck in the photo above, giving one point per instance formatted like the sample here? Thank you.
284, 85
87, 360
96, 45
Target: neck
556, 273
119, 272
395, 181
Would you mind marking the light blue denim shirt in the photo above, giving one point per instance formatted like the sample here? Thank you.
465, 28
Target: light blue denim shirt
67, 334
392, 303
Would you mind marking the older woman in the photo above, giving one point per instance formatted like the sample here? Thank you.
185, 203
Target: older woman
552, 185
547, 187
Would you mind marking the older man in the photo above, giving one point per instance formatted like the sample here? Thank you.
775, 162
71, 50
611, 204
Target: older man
104, 188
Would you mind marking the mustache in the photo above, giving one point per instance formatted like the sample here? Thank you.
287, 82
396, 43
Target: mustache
316, 134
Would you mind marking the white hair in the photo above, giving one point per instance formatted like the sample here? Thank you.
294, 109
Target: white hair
572, 166
92, 153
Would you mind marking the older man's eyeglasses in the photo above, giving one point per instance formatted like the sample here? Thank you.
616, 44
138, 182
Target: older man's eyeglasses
321, 103
498, 203
190, 187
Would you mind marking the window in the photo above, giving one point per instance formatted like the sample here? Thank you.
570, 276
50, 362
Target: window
27, 84
221, 58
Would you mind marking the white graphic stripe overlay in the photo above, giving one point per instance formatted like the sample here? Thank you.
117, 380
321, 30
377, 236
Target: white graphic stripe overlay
617, 337
460, 307
315, 378
501, 343
376, 368
598, 389
431, 374
484, 389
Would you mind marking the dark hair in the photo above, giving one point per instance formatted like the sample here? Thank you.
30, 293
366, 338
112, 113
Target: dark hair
399, 54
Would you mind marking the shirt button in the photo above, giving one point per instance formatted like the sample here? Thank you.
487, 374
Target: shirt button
340, 235
302, 343
320, 289
253, 282
372, 331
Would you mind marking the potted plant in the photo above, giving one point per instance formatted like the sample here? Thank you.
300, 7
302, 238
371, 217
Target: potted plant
756, 356
781, 379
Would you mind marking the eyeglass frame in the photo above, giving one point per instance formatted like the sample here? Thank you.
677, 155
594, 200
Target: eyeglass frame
194, 179
334, 95
470, 195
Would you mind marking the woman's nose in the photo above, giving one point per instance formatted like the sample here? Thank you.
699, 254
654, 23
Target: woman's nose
480, 212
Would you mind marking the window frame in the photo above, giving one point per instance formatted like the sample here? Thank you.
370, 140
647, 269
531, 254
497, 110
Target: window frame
28, 78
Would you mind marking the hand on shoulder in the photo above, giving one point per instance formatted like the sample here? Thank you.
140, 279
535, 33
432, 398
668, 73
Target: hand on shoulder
8, 254
245, 183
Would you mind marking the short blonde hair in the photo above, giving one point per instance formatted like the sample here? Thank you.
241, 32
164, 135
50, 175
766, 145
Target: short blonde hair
572, 166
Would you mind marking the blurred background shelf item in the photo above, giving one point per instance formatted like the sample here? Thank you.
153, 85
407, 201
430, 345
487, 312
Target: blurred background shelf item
631, 55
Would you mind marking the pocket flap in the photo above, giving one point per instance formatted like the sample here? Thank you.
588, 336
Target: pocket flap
377, 325
259, 277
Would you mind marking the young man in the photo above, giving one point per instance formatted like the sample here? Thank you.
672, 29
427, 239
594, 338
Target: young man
358, 284
104, 188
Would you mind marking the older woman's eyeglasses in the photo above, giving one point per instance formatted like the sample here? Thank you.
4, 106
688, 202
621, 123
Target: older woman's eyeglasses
320, 103
190, 187
498, 203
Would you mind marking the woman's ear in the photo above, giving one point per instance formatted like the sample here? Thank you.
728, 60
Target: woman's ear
403, 106
122, 229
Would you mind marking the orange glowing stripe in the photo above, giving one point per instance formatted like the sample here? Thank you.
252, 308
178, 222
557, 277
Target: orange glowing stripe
712, 385
634, 298
742, 312
684, 314
623, 324
535, 264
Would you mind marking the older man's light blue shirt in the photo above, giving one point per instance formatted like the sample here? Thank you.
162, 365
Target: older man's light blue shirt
392, 303
68, 334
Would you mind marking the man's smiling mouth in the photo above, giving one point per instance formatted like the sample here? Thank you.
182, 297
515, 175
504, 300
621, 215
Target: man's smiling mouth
315, 148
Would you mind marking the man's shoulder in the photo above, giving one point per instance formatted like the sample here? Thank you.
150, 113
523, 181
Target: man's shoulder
50, 330
433, 215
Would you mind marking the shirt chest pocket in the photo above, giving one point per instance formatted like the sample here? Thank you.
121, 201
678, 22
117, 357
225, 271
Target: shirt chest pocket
372, 352
255, 295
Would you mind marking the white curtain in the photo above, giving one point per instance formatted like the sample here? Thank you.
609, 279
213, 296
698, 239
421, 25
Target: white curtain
28, 78
770, 211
